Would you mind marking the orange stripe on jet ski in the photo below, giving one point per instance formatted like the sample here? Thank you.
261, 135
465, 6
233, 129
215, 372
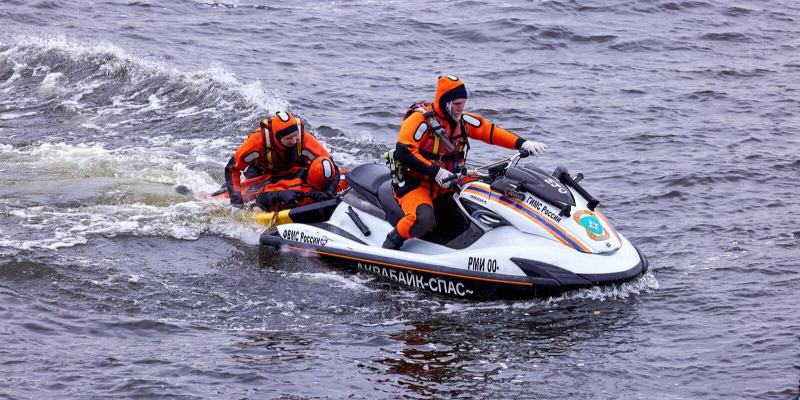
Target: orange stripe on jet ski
555, 230
603, 217
575, 243
407, 267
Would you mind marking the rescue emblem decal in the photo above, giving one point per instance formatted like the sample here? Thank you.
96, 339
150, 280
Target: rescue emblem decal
592, 224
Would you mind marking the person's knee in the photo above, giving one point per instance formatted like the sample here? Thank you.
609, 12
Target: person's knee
424, 220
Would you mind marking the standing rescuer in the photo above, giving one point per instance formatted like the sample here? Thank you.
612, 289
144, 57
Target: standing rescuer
294, 164
431, 150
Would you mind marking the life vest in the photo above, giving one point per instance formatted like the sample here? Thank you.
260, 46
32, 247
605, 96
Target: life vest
434, 144
269, 147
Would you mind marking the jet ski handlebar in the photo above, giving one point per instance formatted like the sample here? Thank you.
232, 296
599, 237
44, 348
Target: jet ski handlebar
498, 168
490, 171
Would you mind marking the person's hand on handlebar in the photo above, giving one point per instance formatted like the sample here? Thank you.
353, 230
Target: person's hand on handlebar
445, 178
535, 149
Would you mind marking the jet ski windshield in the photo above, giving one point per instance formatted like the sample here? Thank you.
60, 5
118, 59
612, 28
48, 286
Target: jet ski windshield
539, 183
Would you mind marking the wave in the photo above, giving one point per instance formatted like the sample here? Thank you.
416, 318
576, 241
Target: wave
106, 89
637, 45
350, 282
787, 166
727, 37
121, 100
702, 179
142, 128
704, 95
73, 192
736, 11
76, 192
684, 5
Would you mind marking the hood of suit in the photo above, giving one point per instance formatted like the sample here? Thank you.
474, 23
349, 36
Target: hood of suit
448, 88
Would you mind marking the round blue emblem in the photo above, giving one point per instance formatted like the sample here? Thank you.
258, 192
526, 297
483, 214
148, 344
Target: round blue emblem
592, 224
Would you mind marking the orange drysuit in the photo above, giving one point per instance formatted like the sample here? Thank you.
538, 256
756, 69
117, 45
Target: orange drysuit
317, 183
422, 152
262, 154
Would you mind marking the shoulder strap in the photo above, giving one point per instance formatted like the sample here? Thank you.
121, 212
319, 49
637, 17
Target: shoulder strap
415, 107
299, 145
464, 143
433, 124
438, 133
266, 127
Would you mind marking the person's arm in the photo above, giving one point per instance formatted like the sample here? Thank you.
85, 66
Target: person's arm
279, 199
247, 153
312, 148
485, 131
331, 189
407, 149
233, 181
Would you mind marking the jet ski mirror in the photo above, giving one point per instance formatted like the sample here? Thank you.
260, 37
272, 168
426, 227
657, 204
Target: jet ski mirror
562, 174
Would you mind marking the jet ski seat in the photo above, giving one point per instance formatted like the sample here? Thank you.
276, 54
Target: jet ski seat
389, 204
365, 179
373, 183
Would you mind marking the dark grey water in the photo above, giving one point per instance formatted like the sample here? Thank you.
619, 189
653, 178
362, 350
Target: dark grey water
683, 115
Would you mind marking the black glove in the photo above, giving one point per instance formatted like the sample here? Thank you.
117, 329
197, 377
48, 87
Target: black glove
285, 197
236, 199
318, 196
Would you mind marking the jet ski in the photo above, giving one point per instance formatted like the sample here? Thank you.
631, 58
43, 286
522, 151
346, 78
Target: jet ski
508, 232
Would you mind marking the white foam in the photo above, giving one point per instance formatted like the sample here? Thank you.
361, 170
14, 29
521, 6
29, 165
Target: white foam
166, 166
271, 100
53, 84
57, 241
17, 70
49, 228
83, 89
105, 282
643, 284
194, 110
12, 115
348, 152
41, 70
460, 308
388, 322
93, 127
123, 172
346, 282
61, 42
70, 106
216, 151
153, 103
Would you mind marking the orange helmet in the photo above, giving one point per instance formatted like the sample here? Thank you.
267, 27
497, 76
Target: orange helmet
448, 88
282, 124
322, 172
